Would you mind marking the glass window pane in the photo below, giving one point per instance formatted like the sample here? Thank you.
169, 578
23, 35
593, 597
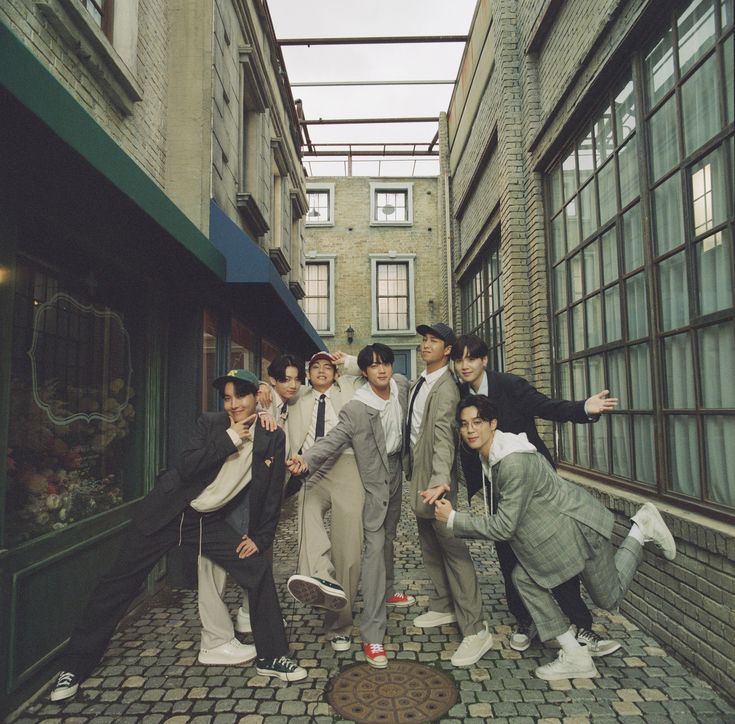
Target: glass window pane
555, 194
613, 322
572, 224
637, 302
578, 340
575, 276
592, 266
585, 158
717, 359
594, 321
664, 151
683, 454
604, 143
640, 378
599, 444
579, 380
729, 85
565, 383
621, 457
714, 273
596, 372
667, 215
700, 103
617, 375
558, 238
719, 433
569, 175
673, 291
645, 449
560, 286
609, 256
582, 437
632, 238
696, 30
726, 13
679, 370
628, 165
588, 210
608, 195
709, 195
562, 338
625, 112
659, 69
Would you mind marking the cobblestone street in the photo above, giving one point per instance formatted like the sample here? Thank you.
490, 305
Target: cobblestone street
150, 672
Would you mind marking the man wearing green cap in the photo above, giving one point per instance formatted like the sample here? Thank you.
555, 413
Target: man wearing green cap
188, 505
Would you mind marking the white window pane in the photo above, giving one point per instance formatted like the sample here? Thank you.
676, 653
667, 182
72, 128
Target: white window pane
659, 69
673, 291
683, 454
719, 435
664, 151
700, 101
697, 32
621, 454
636, 298
679, 370
667, 215
632, 238
714, 272
625, 112
640, 377
717, 358
645, 449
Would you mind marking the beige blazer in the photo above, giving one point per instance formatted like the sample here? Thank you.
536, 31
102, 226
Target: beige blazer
431, 461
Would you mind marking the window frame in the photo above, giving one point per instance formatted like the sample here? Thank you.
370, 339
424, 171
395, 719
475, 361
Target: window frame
392, 257
314, 259
327, 188
377, 187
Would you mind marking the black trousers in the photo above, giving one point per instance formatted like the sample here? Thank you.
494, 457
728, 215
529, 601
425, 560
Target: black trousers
139, 553
567, 594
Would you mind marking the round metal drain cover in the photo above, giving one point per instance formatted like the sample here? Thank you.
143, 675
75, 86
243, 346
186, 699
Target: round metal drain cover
404, 692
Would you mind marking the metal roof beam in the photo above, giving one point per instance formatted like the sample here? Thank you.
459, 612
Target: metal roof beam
337, 83
408, 155
374, 40
343, 121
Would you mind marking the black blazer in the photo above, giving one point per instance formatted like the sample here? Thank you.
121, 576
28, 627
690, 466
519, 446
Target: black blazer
208, 448
519, 403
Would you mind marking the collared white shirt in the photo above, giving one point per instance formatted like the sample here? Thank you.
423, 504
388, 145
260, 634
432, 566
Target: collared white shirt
391, 417
330, 416
482, 390
233, 476
419, 404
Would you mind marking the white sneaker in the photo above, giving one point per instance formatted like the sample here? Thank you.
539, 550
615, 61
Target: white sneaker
473, 648
595, 644
654, 530
434, 618
521, 636
567, 666
242, 622
233, 652
341, 643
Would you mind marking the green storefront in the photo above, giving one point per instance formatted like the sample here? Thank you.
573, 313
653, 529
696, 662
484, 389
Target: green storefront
115, 313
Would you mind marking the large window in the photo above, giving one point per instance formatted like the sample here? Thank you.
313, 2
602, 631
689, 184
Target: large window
321, 205
319, 299
102, 13
641, 223
481, 299
391, 204
393, 293
76, 401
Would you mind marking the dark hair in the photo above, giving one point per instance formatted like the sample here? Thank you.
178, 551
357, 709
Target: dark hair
486, 408
475, 346
375, 352
277, 368
242, 388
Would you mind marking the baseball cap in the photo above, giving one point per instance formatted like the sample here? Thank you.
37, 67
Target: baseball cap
321, 355
438, 329
234, 375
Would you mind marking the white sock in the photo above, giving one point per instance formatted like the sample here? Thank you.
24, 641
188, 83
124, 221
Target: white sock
568, 642
637, 534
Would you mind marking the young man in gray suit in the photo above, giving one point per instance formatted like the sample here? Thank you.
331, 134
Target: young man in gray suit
372, 424
557, 531
429, 461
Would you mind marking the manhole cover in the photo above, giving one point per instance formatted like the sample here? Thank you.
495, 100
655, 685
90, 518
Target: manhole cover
404, 692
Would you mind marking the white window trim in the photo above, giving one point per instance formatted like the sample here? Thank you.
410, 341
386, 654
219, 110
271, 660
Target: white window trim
314, 257
392, 257
329, 188
376, 186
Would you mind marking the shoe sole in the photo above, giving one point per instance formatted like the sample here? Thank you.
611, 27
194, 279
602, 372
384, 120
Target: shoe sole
401, 604
375, 665
586, 674
435, 623
341, 648
470, 662
522, 647
65, 694
281, 675
310, 593
600, 654
214, 661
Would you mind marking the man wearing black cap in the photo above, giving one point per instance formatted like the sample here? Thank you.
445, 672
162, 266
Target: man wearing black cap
226, 455
429, 461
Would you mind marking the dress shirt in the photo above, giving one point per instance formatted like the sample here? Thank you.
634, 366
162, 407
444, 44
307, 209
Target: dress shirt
330, 416
419, 403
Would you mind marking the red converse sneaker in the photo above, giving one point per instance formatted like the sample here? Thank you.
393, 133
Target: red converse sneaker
400, 600
375, 655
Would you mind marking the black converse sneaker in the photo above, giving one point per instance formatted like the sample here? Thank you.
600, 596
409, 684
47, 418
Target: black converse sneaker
66, 686
317, 592
284, 668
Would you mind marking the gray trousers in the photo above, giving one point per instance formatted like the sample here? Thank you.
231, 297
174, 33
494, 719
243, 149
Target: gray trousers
377, 559
607, 575
448, 562
334, 557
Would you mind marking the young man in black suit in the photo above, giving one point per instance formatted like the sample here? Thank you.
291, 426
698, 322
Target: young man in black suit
226, 454
518, 404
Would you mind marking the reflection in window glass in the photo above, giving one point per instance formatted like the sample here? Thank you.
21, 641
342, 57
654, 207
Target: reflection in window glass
613, 323
729, 85
582, 438
667, 215
632, 239
700, 106
580, 387
640, 378
596, 372
625, 112
664, 144
572, 224
673, 290
628, 165
719, 432
557, 200
562, 343
319, 207
594, 321
600, 448
709, 196
645, 448
635, 289
575, 276
696, 30
683, 454
560, 286
679, 370
578, 340
617, 373
621, 453
604, 143
608, 195
592, 266
717, 356
714, 272
558, 238
585, 158
588, 209
569, 175
609, 256
659, 69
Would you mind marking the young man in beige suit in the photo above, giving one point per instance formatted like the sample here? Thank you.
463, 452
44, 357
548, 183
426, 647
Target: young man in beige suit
429, 461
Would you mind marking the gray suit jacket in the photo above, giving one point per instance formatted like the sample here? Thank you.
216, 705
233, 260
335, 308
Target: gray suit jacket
431, 461
359, 426
544, 518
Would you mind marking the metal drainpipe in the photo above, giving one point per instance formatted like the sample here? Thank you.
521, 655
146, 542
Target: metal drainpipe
447, 222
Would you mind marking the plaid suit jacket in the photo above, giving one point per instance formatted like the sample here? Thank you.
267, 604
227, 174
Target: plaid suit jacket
546, 519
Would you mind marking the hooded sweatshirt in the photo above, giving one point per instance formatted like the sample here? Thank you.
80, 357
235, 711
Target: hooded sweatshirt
390, 414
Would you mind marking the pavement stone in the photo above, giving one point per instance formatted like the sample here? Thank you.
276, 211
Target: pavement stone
150, 673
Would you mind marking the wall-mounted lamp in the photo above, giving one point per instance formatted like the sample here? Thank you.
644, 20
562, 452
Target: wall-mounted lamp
350, 334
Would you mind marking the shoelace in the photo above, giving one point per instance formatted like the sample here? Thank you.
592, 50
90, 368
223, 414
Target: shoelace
65, 679
376, 648
588, 635
286, 663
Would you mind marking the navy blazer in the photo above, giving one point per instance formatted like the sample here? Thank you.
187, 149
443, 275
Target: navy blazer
518, 403
208, 448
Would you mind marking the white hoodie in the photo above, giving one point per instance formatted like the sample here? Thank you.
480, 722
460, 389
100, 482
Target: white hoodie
390, 413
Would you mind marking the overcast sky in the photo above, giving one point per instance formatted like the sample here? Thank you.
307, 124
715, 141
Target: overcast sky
338, 18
